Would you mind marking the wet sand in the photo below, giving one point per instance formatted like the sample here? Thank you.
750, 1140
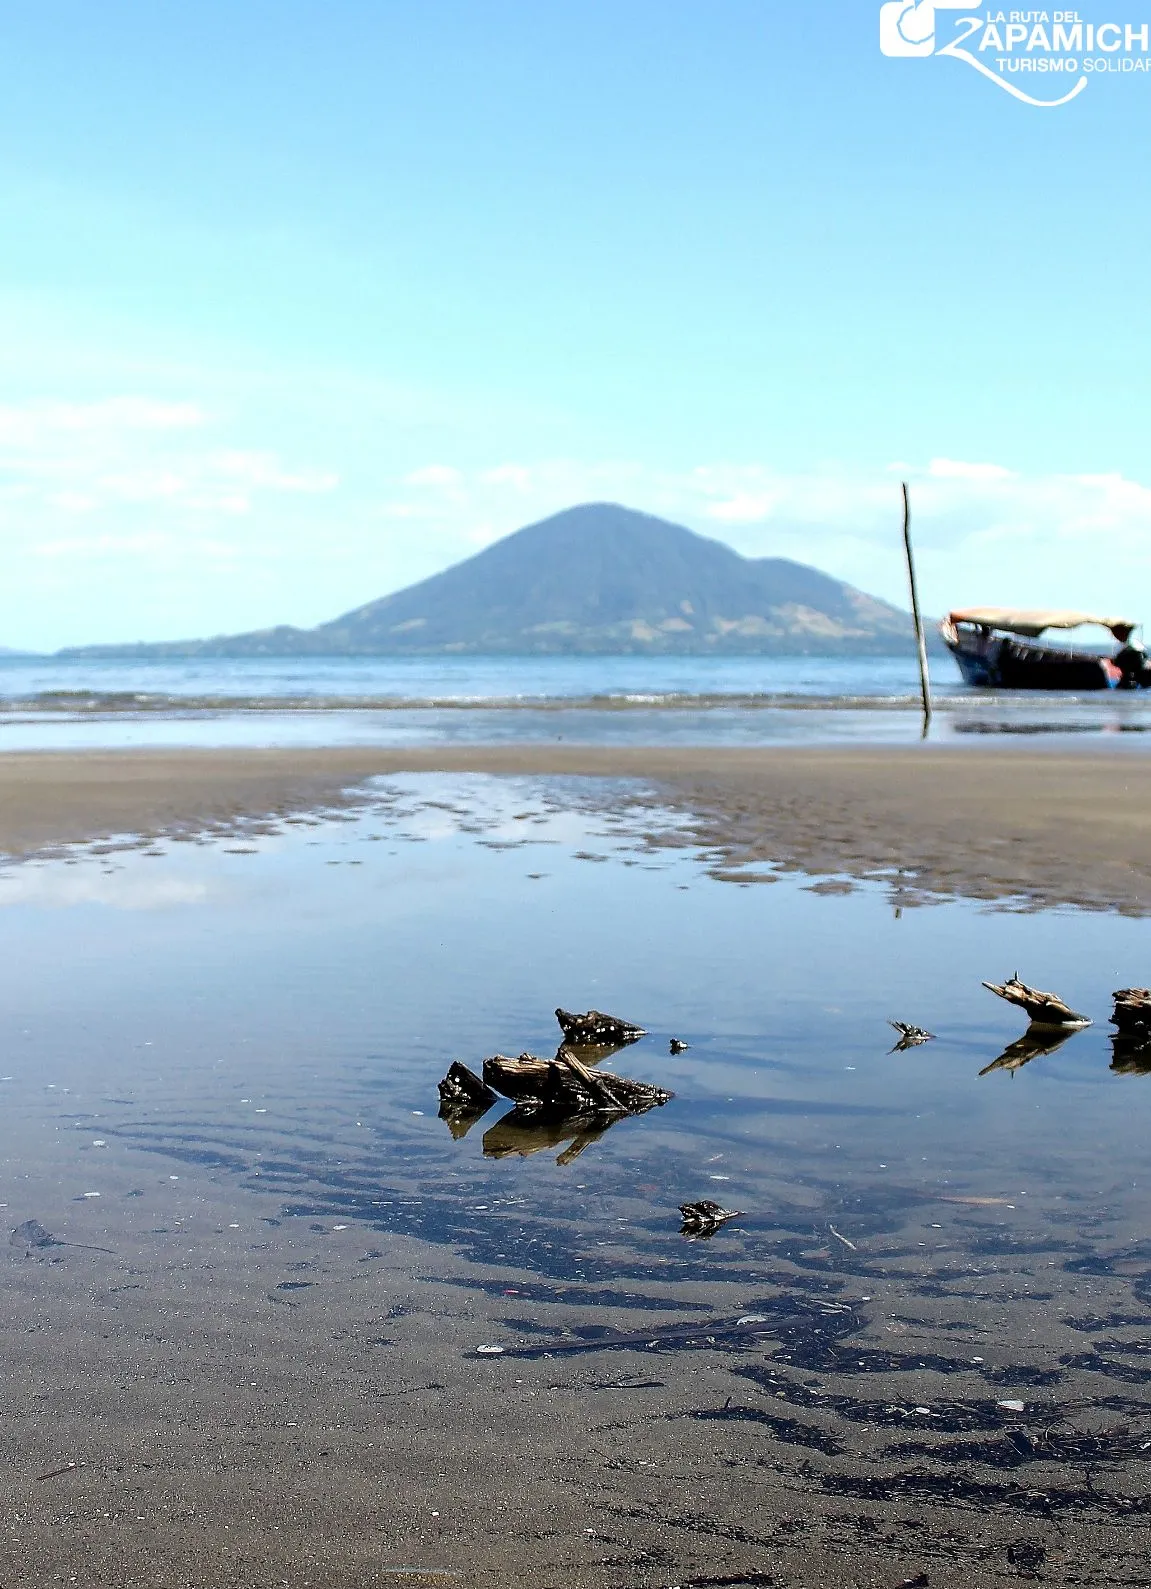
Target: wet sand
269, 1378
1048, 826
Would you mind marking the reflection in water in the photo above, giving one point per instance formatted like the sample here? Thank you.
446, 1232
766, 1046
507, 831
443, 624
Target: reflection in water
522, 1132
1131, 1056
1036, 1040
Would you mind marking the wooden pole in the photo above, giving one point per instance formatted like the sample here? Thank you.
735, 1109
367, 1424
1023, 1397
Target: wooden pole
921, 644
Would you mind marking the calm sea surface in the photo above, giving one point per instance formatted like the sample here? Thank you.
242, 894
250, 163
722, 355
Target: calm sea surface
596, 700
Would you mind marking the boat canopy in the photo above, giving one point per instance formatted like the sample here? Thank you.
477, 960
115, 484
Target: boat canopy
1021, 621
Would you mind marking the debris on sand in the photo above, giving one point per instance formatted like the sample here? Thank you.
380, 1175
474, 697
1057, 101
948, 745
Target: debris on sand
31, 1234
565, 1086
593, 1026
702, 1220
1042, 1009
909, 1036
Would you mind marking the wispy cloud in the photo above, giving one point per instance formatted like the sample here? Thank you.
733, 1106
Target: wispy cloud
979, 523
88, 461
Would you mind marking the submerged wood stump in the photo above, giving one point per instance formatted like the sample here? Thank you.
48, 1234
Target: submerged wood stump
462, 1088
1042, 1009
1132, 1013
593, 1026
565, 1086
464, 1099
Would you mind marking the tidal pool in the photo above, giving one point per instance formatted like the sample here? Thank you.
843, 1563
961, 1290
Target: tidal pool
256, 1346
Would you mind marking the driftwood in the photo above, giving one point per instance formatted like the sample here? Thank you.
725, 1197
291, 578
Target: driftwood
522, 1132
1042, 1009
595, 1027
1035, 1042
464, 1099
462, 1088
565, 1086
1132, 1013
909, 1036
701, 1220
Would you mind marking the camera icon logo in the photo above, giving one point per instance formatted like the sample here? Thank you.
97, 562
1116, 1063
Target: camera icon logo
907, 27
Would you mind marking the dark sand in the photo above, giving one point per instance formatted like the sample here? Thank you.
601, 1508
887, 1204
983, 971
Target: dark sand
1049, 826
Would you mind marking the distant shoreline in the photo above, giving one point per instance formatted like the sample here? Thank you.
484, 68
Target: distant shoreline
1000, 822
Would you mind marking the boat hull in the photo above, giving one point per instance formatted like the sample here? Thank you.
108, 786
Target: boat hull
1002, 662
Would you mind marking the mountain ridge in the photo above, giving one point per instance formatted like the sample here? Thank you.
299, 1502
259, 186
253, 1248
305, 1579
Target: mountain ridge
598, 578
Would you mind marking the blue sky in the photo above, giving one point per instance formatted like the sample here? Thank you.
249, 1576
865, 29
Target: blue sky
301, 302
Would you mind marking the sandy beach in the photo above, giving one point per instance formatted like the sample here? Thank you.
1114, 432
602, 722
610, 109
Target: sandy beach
1046, 825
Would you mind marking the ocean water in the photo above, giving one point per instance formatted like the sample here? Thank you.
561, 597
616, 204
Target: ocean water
49, 703
287, 1302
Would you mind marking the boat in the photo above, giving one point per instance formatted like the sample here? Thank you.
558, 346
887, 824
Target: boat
997, 647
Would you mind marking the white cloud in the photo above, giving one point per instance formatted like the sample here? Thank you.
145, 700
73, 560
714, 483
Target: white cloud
982, 529
509, 474
434, 474
96, 464
30, 424
953, 469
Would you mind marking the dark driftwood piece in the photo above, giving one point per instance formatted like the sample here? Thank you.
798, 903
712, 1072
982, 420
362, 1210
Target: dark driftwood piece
461, 1088
522, 1132
464, 1099
909, 1036
1132, 1013
1042, 1009
596, 1027
701, 1220
1035, 1042
565, 1086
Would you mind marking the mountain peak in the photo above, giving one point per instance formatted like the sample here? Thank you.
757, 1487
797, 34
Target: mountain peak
600, 577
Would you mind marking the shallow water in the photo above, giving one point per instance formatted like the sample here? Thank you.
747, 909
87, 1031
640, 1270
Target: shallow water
221, 1064
49, 703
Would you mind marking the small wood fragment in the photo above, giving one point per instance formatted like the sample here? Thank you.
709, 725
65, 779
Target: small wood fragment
1042, 1009
593, 1026
909, 1036
702, 1220
462, 1088
56, 1473
464, 1099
